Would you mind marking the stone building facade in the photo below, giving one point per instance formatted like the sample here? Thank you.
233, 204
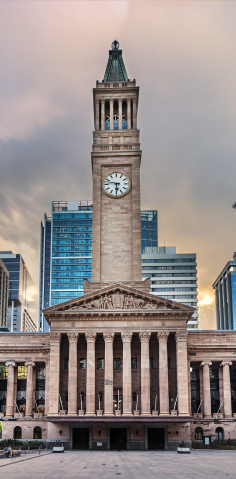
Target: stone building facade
118, 369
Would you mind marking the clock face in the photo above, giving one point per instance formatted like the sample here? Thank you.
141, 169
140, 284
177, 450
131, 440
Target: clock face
116, 184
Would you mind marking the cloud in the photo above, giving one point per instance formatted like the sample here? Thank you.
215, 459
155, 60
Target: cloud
181, 54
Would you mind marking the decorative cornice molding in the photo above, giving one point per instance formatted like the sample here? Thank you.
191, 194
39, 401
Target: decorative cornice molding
73, 337
162, 336
91, 337
181, 336
206, 363
108, 337
30, 363
226, 363
126, 336
144, 336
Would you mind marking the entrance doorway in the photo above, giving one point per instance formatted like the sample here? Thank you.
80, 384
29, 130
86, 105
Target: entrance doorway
81, 438
156, 438
118, 438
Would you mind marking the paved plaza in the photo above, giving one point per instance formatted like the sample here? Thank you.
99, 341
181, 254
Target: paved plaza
126, 464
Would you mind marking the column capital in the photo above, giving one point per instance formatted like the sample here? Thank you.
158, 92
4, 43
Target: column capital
54, 336
126, 336
103, 101
206, 363
226, 363
111, 100
144, 336
162, 336
108, 337
73, 337
91, 337
30, 363
181, 336
11, 363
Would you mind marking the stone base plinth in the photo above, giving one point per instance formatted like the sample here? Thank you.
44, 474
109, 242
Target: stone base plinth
136, 413
18, 415
99, 412
38, 415
218, 415
117, 412
63, 412
81, 412
155, 413
174, 413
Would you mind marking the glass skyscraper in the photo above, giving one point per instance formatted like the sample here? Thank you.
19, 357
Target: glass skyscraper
22, 296
149, 229
225, 296
66, 253
172, 276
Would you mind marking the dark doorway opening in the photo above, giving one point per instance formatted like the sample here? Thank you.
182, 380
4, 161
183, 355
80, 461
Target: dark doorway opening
118, 438
81, 438
156, 438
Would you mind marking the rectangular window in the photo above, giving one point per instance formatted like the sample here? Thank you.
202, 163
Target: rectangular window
133, 363
150, 363
66, 363
22, 372
82, 363
100, 363
116, 363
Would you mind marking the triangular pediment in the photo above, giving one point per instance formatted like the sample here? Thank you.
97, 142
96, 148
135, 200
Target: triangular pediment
117, 297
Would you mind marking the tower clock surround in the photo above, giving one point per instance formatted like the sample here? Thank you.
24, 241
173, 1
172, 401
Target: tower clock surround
116, 184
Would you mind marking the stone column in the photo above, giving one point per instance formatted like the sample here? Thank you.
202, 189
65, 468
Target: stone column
97, 115
10, 388
120, 114
134, 114
126, 337
54, 374
145, 373
182, 372
206, 389
108, 386
227, 388
72, 374
103, 115
129, 114
90, 374
29, 389
111, 113
47, 385
163, 373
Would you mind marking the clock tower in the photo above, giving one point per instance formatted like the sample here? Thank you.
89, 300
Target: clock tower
116, 158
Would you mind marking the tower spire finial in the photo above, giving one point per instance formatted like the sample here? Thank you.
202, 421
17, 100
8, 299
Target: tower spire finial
115, 45
115, 70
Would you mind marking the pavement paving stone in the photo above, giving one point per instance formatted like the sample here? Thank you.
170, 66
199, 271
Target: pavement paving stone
123, 465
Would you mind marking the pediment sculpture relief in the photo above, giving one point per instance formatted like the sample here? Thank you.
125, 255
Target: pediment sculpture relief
117, 301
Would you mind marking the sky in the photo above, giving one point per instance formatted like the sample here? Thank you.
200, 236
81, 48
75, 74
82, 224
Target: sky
182, 55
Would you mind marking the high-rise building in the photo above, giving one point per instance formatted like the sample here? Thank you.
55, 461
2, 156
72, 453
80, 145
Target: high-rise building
149, 229
172, 276
4, 284
65, 253
66, 235
23, 295
225, 296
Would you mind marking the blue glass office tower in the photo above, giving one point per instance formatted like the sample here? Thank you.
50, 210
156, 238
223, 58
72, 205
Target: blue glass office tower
149, 229
66, 253
225, 296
